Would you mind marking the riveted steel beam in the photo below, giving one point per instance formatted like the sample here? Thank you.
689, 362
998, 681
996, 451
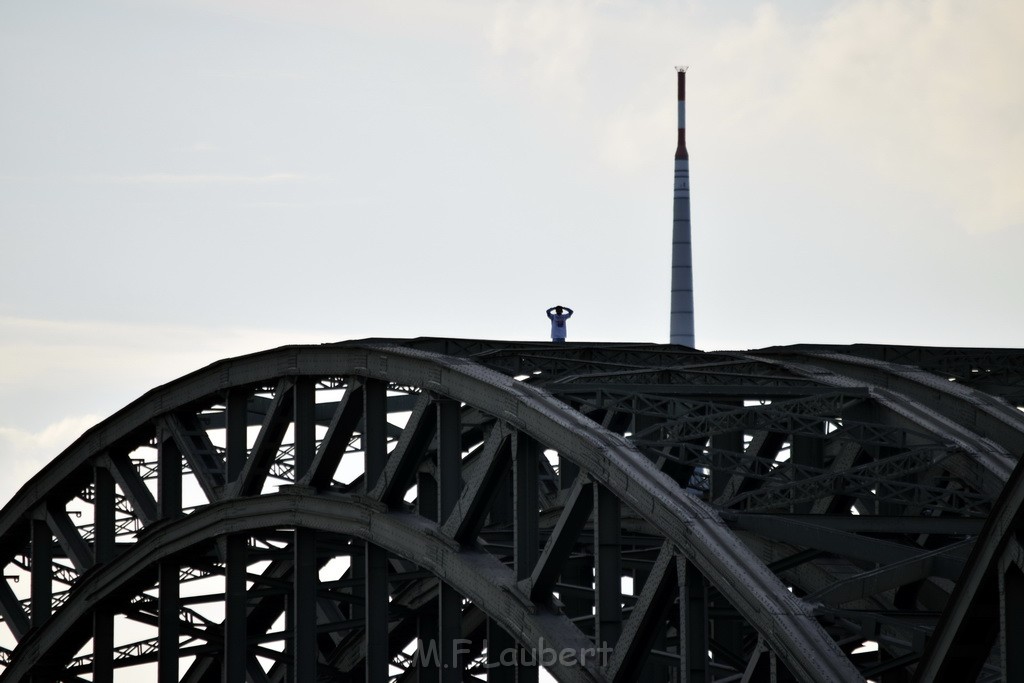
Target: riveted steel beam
236, 432
169, 475
169, 625
607, 567
336, 440
376, 613
68, 536
143, 503
191, 441
42, 573
375, 431
449, 456
467, 517
575, 514
399, 470
477, 576
304, 606
12, 611
659, 507
525, 471
642, 625
236, 609
304, 425
264, 451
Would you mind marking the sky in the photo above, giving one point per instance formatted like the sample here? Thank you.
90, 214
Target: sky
188, 180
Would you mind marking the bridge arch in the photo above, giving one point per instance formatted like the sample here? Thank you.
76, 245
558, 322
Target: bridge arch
506, 494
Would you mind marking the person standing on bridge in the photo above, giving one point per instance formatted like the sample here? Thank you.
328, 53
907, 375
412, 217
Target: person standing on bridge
558, 315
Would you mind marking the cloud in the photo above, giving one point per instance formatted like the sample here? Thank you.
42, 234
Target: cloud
30, 338
53, 438
923, 98
393, 16
198, 179
23, 453
59, 378
55, 367
927, 96
552, 41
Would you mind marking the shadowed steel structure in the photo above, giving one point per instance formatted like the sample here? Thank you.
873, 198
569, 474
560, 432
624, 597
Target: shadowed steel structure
450, 510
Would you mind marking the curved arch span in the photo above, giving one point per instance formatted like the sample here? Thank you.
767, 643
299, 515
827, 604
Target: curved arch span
476, 575
785, 623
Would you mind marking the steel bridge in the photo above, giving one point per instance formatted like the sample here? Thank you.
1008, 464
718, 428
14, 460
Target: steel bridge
452, 510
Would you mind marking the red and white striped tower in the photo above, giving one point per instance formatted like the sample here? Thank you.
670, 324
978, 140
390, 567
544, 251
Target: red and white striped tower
681, 329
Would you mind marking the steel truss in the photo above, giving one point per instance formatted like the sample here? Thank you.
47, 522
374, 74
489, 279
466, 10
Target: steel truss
444, 510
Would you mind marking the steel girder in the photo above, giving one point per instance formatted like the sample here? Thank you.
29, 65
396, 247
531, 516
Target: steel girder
774, 513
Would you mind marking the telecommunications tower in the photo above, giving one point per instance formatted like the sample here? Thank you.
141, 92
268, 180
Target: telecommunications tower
681, 331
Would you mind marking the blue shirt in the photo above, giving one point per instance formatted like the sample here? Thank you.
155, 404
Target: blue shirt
558, 322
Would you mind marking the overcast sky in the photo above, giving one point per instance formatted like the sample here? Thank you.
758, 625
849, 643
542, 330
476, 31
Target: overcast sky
187, 180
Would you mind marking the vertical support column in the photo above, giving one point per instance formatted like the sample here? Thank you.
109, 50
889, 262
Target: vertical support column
891, 506
305, 424
304, 607
808, 450
103, 515
103, 551
503, 507
607, 567
525, 467
567, 473
644, 430
357, 571
449, 456
449, 488
426, 495
169, 498
568, 470
693, 619
375, 399
168, 621
439, 622
42, 570
429, 644
376, 610
450, 632
499, 642
577, 572
524, 472
654, 668
1011, 616
235, 635
726, 441
237, 431
168, 486
102, 646
303, 602
728, 631
168, 507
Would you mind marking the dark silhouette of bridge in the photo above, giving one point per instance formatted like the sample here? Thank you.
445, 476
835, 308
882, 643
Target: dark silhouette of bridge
450, 510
